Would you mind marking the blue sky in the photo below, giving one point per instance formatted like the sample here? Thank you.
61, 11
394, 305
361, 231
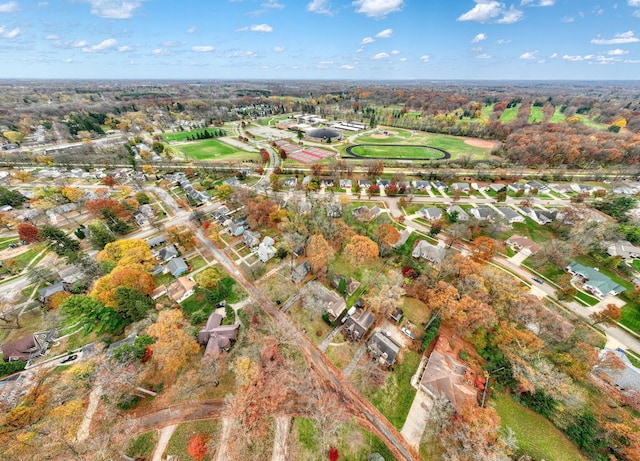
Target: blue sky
321, 39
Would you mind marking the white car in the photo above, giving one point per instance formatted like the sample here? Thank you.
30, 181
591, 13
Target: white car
407, 332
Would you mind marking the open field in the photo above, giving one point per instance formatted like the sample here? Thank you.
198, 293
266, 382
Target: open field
558, 116
536, 115
212, 149
396, 151
182, 135
510, 114
536, 435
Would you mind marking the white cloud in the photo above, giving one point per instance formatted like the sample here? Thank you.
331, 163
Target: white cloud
360, 50
633, 3
10, 7
76, 44
403, 59
512, 15
478, 38
324, 64
366, 41
381, 55
553, 56
13, 33
587, 57
124, 49
502, 41
484, 56
191, 30
67, 61
243, 54
347, 67
491, 11
272, 4
529, 55
160, 52
624, 37
52, 37
278, 49
424, 58
538, 3
257, 28
102, 46
203, 48
320, 7
395, 52
617, 52
387, 33
43, 4
113, 9
377, 8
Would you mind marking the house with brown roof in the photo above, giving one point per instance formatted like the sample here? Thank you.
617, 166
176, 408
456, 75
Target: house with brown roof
523, 245
446, 376
217, 337
356, 326
28, 347
180, 289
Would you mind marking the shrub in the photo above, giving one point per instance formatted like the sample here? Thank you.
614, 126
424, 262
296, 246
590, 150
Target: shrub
197, 447
6, 368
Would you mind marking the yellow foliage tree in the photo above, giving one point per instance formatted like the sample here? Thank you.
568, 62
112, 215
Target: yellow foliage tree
73, 194
621, 122
174, 347
132, 252
245, 369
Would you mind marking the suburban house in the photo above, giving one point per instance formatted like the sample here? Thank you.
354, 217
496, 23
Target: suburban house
627, 190
497, 187
167, 253
431, 213
560, 188
334, 210
365, 214
251, 238
177, 266
290, 183
46, 292
516, 187
351, 285
335, 303
439, 186
461, 186
404, 236
28, 347
383, 349
584, 188
523, 245
421, 185
483, 213
180, 289
593, 281
217, 337
535, 185
624, 249
364, 183
357, 325
299, 272
432, 253
445, 375
345, 183
266, 251
235, 228
71, 274
510, 215
541, 217
462, 215
327, 182
383, 183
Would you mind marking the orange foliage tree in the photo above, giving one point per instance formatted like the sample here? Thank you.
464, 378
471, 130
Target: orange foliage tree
135, 278
126, 253
318, 252
197, 447
361, 249
174, 347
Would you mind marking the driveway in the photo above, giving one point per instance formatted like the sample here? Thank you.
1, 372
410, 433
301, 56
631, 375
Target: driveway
417, 419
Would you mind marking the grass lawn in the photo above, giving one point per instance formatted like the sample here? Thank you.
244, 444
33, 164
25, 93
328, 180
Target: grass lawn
143, 445
536, 435
558, 116
631, 316
416, 311
316, 328
510, 114
636, 264
182, 135
401, 152
186, 431
4, 242
586, 298
340, 352
211, 149
395, 398
536, 115
533, 231
197, 262
163, 279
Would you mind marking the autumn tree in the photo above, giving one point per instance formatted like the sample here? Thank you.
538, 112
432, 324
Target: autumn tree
223, 192
197, 447
318, 252
182, 236
610, 315
108, 181
260, 210
133, 277
209, 278
128, 253
28, 232
361, 249
484, 248
72, 194
174, 347
374, 168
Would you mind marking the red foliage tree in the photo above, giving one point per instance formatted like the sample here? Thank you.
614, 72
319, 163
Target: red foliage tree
28, 232
108, 181
197, 447
333, 454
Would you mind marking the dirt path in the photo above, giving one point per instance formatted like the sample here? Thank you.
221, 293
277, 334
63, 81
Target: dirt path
163, 441
224, 438
283, 424
94, 400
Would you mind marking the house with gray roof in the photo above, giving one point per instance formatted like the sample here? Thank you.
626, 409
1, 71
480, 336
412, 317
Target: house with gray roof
462, 215
439, 186
167, 253
299, 272
461, 186
177, 266
431, 213
251, 238
345, 183
46, 292
157, 241
383, 349
483, 213
421, 185
594, 281
432, 253
510, 215
217, 337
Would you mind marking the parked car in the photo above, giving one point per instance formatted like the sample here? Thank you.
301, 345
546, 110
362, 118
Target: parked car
71, 358
536, 279
407, 332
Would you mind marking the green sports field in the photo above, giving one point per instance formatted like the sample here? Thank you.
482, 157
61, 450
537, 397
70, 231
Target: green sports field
400, 152
182, 135
212, 149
